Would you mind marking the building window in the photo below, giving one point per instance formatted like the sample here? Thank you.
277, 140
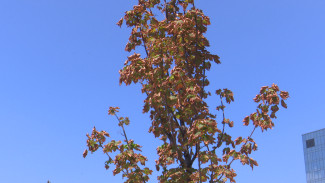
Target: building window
310, 143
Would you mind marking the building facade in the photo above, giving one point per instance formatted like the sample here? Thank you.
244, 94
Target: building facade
314, 154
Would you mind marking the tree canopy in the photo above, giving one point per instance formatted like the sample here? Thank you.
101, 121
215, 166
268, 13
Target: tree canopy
172, 73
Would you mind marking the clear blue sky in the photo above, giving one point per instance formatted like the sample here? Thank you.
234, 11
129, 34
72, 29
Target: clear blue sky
59, 62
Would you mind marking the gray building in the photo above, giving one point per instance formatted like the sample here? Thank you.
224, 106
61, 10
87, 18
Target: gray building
314, 154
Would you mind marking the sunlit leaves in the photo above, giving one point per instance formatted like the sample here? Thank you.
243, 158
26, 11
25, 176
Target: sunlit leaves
172, 73
113, 110
127, 160
268, 100
123, 121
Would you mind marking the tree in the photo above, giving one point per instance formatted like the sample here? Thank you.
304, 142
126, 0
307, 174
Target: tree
173, 78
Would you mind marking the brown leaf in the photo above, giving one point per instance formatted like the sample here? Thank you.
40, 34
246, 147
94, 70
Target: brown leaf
246, 121
120, 22
283, 104
85, 153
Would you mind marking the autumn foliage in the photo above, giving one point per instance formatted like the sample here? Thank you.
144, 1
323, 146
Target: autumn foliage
172, 73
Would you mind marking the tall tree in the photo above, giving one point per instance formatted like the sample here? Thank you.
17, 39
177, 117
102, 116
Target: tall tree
173, 77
